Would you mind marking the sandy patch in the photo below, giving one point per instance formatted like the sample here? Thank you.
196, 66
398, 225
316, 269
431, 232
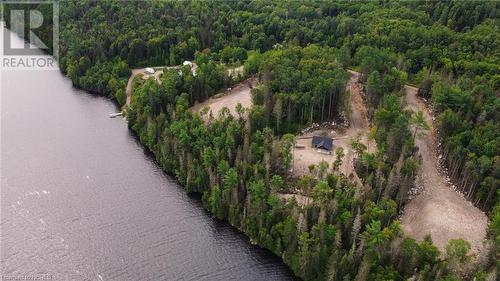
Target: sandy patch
304, 155
241, 93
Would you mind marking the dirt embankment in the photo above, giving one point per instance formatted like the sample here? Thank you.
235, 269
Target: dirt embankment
359, 116
439, 210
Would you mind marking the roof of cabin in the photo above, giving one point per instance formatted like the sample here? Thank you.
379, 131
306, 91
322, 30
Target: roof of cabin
322, 142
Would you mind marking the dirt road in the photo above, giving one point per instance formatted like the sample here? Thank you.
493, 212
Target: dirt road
128, 90
158, 71
135, 72
439, 210
359, 116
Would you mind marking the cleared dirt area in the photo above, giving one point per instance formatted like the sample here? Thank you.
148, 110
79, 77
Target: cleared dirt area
307, 155
241, 93
304, 154
358, 126
439, 210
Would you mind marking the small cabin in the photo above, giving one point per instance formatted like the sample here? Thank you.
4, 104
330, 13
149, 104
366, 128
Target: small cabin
150, 70
322, 144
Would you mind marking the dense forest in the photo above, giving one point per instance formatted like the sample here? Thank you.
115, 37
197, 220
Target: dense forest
300, 50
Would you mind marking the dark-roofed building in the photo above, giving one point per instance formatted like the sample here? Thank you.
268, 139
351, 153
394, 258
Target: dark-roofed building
324, 143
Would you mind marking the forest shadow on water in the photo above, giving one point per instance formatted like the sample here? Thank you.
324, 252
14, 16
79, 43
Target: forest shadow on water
220, 228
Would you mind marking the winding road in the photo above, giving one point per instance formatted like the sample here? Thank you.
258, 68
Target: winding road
359, 116
158, 71
439, 210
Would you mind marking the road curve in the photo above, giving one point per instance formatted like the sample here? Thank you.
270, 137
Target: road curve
158, 71
439, 210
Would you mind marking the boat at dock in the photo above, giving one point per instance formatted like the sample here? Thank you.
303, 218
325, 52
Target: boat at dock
113, 115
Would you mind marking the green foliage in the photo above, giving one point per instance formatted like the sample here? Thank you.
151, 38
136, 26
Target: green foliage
233, 55
286, 146
470, 131
277, 183
121, 97
302, 85
457, 256
253, 62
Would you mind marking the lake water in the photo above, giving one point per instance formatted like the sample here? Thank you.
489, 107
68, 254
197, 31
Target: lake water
81, 200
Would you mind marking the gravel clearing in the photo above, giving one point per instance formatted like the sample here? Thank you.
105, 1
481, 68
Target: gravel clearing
437, 209
241, 93
358, 125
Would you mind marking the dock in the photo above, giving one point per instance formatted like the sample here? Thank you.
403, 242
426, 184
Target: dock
113, 115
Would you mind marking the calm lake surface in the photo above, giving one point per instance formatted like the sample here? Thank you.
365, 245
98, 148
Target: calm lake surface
81, 200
